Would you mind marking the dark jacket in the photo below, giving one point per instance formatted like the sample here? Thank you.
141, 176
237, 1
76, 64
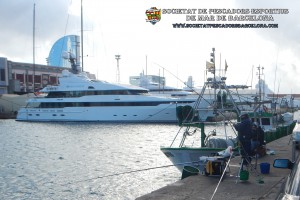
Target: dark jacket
244, 129
259, 135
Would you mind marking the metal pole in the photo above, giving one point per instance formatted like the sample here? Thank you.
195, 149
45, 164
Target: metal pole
213, 59
81, 37
118, 57
259, 81
33, 48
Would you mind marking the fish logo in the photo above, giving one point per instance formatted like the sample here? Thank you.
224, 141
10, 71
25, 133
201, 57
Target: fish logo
153, 15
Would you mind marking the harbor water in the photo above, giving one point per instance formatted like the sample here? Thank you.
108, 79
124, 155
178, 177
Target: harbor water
84, 160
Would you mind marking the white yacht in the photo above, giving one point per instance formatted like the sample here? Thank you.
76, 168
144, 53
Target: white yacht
79, 98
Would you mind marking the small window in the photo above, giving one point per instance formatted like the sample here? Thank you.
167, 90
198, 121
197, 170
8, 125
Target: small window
265, 121
2, 75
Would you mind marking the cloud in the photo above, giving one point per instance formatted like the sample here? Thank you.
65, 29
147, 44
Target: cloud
17, 23
120, 27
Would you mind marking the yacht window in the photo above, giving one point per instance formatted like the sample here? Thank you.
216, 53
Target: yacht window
33, 105
91, 87
86, 104
90, 93
68, 104
94, 104
56, 94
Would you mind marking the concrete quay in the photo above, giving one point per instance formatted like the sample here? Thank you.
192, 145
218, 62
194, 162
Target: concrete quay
203, 187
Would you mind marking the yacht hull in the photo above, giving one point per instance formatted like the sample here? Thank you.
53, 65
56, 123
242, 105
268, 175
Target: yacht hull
162, 113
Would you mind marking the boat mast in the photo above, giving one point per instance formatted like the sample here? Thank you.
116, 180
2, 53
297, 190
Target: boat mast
81, 37
33, 48
146, 66
212, 60
259, 81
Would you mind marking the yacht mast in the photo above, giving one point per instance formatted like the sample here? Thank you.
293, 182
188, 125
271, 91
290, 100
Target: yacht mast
81, 38
33, 49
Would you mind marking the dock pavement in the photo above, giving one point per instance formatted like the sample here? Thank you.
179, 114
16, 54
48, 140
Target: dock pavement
231, 187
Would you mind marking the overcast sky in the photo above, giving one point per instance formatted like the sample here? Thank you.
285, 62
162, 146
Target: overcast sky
120, 27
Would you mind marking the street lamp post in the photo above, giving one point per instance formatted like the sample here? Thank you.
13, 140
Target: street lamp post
118, 57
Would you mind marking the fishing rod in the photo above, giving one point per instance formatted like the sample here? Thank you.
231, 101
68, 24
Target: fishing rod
177, 78
171, 104
133, 171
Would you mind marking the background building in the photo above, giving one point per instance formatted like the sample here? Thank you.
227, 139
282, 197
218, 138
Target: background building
3, 76
18, 78
67, 44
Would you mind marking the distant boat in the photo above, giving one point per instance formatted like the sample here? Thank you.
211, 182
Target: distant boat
156, 86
